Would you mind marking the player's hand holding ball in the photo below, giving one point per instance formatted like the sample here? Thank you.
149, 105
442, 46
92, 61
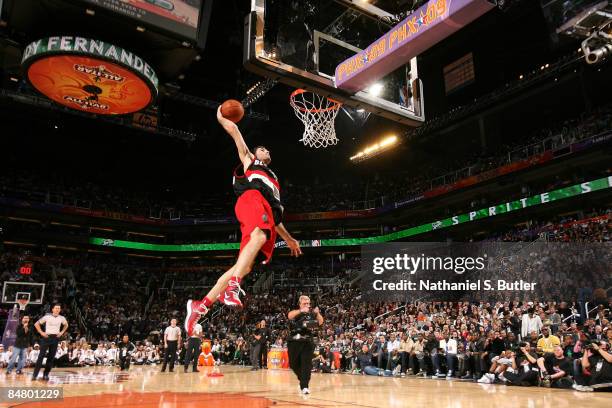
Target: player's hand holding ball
230, 111
227, 124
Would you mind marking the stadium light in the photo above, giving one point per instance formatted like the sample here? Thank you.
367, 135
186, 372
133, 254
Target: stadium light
375, 149
376, 89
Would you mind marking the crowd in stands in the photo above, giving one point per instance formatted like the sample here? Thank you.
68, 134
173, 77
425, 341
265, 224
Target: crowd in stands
403, 185
555, 342
332, 194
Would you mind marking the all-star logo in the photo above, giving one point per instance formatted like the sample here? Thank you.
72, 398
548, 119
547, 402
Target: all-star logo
86, 103
99, 72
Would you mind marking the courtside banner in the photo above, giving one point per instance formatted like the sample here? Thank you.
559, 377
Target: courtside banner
485, 272
503, 208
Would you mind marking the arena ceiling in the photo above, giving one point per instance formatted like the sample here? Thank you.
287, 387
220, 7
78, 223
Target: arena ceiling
215, 74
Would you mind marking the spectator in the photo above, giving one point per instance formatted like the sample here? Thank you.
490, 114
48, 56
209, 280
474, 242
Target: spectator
126, 348
364, 361
547, 343
594, 371
530, 323
556, 369
5, 356
33, 355
112, 355
525, 368
22, 343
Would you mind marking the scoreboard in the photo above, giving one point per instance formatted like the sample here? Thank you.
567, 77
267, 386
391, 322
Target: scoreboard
26, 268
181, 17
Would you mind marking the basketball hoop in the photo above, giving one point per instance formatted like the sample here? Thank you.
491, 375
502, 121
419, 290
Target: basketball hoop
318, 114
22, 303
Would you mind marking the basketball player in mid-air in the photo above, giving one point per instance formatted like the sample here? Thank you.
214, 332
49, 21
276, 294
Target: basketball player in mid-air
259, 212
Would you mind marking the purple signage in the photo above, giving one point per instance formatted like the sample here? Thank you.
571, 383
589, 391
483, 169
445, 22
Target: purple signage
10, 330
428, 25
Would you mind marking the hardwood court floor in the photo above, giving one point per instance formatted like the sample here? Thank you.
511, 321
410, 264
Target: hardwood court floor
239, 387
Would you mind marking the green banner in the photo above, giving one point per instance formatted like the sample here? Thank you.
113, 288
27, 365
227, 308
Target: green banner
539, 199
162, 247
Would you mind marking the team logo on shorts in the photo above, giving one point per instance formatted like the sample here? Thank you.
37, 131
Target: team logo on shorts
265, 218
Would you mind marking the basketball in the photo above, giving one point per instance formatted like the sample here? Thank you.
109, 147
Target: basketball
232, 110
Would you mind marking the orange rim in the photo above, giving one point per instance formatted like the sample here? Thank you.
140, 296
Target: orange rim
300, 91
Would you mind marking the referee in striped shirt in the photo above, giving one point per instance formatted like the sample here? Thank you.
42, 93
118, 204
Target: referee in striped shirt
55, 327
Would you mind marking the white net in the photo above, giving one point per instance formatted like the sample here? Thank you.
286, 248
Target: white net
318, 114
22, 304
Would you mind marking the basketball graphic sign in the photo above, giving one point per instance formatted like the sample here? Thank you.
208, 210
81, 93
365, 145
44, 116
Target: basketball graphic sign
90, 75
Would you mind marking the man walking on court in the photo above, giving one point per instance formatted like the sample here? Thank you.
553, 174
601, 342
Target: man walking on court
55, 327
259, 211
172, 340
194, 348
303, 323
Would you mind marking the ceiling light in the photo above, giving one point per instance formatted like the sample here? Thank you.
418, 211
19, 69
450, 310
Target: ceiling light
376, 89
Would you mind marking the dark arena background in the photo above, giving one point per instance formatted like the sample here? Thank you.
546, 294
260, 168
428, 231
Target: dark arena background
394, 126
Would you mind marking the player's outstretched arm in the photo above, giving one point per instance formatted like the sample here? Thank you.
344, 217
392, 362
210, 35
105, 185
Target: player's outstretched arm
246, 157
292, 243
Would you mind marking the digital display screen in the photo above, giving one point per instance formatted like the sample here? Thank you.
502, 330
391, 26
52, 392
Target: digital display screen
559, 12
26, 268
177, 16
459, 73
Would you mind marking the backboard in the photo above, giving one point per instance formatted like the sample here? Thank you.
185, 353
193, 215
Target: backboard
13, 291
301, 43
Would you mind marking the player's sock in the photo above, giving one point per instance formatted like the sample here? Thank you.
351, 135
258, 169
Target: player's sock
207, 302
